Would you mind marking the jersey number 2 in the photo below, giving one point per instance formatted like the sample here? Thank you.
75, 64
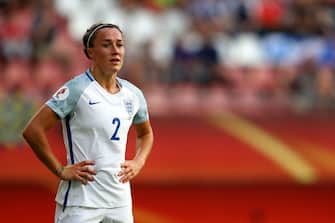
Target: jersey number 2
116, 121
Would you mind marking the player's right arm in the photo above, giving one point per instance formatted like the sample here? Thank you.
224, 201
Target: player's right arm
35, 135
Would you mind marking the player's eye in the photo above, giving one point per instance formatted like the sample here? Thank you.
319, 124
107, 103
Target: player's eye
106, 45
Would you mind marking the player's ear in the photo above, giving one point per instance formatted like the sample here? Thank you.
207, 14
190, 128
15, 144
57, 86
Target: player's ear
89, 52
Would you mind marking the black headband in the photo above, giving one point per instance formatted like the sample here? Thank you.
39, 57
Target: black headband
94, 31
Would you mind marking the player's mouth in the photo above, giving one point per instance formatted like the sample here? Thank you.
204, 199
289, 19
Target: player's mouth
115, 61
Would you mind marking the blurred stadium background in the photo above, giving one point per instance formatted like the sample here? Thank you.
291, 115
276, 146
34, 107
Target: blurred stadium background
241, 94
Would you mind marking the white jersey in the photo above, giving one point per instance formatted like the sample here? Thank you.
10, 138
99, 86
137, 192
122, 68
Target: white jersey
95, 127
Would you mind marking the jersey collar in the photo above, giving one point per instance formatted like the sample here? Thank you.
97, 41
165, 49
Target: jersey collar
91, 77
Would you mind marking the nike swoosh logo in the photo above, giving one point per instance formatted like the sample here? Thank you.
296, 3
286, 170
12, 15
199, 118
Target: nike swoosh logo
93, 102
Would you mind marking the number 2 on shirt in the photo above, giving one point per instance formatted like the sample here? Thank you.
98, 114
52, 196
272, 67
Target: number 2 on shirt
116, 121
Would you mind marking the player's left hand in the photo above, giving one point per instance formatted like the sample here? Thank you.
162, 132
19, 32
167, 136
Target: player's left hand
129, 169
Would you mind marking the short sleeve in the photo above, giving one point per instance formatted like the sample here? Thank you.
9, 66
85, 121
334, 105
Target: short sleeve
142, 114
65, 99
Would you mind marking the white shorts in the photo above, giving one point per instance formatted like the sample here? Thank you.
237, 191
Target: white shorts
93, 215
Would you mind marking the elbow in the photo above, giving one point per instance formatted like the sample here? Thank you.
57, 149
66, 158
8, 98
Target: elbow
28, 132
150, 138
25, 133
150, 135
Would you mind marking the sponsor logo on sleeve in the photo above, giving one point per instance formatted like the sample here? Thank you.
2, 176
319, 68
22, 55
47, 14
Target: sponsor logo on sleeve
61, 94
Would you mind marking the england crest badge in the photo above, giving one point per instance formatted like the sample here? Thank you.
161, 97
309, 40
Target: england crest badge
129, 106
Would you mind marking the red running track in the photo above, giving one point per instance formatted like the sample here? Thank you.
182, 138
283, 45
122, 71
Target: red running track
197, 173
193, 204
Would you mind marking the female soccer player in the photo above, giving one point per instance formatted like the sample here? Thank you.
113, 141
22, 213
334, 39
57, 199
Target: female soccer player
96, 109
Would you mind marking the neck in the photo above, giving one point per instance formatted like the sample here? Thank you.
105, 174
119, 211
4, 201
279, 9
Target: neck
106, 80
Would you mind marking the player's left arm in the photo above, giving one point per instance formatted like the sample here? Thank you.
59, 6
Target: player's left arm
144, 142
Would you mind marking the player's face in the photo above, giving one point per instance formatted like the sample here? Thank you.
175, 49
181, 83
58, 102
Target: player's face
108, 50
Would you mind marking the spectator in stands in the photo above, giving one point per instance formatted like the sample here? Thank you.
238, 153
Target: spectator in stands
96, 109
45, 25
14, 34
195, 59
325, 87
265, 35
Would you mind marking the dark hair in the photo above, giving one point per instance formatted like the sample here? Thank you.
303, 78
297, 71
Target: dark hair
91, 32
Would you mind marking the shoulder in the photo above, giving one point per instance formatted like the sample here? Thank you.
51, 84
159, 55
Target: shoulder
131, 87
79, 82
72, 88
